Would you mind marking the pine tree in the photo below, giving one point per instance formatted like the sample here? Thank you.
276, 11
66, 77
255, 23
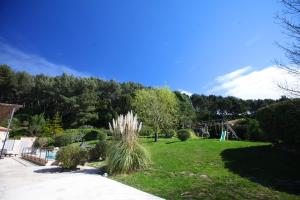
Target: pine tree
57, 124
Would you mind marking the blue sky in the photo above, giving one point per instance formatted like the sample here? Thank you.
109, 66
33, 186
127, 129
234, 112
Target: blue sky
187, 45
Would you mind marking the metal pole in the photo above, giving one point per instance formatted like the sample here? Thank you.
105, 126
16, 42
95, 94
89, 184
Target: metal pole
7, 132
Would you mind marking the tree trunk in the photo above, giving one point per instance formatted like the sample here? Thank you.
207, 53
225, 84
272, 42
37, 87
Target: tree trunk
155, 136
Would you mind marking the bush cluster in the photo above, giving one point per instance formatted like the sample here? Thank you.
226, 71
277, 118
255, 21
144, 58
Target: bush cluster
70, 136
281, 122
70, 156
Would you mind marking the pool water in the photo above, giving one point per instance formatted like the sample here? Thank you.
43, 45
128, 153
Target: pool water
50, 155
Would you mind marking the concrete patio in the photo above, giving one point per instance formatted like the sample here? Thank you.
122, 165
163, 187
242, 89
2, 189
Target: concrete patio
20, 180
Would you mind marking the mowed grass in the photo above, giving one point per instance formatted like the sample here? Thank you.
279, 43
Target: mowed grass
209, 169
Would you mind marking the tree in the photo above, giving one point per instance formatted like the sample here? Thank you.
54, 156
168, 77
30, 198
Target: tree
56, 124
158, 108
289, 19
187, 112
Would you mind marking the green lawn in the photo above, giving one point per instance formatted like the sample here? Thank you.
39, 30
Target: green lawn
209, 169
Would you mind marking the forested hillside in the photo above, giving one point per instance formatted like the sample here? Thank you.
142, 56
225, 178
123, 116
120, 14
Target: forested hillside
92, 101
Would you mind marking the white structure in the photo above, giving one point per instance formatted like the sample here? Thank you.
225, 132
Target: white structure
3, 132
15, 146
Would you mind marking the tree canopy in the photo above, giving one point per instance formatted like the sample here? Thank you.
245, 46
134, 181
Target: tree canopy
92, 101
158, 108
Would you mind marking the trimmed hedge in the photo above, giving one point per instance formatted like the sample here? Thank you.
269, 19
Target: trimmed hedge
281, 122
70, 136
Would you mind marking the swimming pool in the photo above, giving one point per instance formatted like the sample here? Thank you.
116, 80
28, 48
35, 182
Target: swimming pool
50, 155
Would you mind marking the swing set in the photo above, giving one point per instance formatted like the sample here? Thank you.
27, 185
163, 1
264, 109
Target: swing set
221, 126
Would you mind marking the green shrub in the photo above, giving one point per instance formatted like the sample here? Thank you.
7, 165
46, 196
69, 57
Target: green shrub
281, 122
124, 158
184, 134
99, 151
146, 131
169, 133
71, 156
63, 139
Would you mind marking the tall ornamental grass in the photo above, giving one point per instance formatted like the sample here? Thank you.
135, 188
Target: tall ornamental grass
126, 155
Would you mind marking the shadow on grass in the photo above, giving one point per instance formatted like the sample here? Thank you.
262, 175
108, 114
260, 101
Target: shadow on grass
171, 142
265, 165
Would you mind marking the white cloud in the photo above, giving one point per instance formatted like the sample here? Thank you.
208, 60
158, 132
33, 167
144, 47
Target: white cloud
233, 74
255, 84
31, 63
185, 92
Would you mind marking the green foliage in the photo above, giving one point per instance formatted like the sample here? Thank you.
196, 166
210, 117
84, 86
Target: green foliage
91, 134
184, 134
92, 101
71, 156
47, 129
146, 131
254, 131
57, 124
36, 125
186, 109
63, 139
168, 133
43, 142
124, 158
281, 122
249, 129
102, 135
157, 108
99, 151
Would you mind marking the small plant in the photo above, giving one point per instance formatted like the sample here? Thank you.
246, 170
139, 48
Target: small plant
71, 156
184, 134
126, 154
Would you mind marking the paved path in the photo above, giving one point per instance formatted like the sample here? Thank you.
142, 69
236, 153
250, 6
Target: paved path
19, 180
